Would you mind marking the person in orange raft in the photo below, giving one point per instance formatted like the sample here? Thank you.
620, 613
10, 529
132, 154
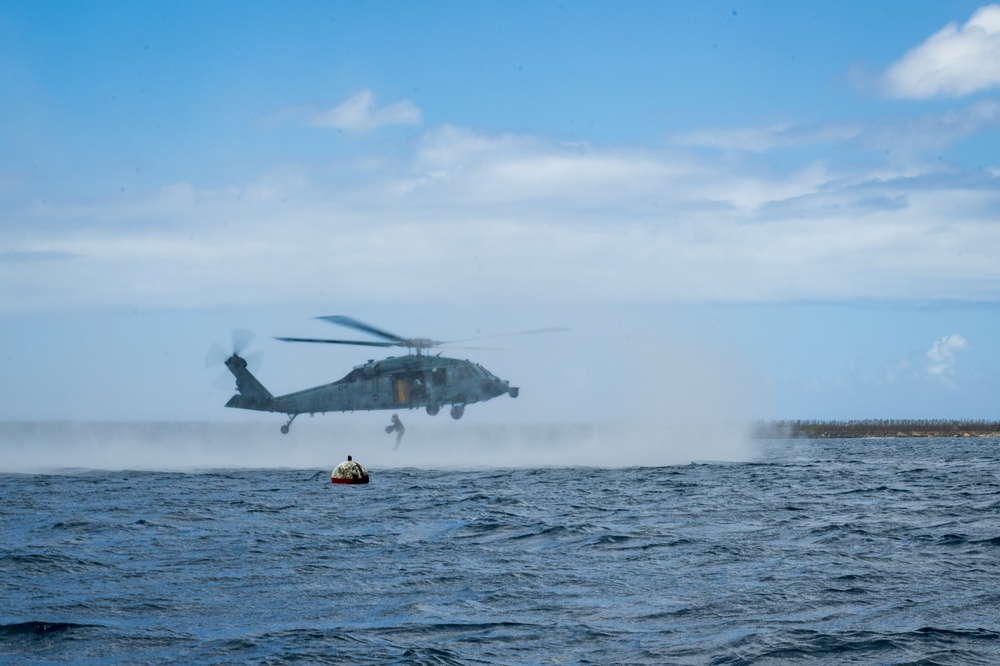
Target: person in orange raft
349, 471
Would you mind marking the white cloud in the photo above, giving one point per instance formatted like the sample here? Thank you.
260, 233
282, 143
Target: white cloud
515, 218
935, 365
358, 113
953, 62
767, 138
941, 357
465, 165
930, 134
905, 139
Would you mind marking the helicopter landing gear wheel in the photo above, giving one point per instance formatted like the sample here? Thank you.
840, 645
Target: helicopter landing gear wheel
433, 409
284, 428
457, 411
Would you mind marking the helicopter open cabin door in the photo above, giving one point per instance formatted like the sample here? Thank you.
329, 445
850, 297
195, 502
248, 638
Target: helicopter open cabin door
408, 388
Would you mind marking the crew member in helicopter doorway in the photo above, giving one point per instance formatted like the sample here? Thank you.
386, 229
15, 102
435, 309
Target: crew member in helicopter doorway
397, 425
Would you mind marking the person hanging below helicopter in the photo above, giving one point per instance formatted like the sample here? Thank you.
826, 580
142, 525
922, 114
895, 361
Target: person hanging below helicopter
397, 425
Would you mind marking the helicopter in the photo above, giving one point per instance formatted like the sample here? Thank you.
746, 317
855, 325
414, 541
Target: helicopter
415, 380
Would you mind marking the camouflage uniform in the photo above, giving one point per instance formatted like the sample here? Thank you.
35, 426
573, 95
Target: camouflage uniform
349, 470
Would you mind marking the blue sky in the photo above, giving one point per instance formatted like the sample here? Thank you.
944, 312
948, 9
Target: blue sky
741, 209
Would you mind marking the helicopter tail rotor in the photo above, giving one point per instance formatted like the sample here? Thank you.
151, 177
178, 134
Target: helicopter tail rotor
217, 355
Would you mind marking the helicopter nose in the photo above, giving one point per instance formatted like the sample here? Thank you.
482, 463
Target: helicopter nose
494, 387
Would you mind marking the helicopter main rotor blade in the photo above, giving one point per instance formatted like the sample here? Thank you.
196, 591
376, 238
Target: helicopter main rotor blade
394, 340
341, 342
361, 326
555, 329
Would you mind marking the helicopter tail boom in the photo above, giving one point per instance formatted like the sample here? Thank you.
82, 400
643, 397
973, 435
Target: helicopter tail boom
251, 394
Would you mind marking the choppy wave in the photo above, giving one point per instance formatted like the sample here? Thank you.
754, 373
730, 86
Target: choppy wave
850, 551
36, 628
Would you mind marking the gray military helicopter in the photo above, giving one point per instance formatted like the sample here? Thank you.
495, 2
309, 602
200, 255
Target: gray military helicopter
398, 382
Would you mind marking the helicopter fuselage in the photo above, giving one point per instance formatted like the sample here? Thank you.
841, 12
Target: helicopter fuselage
398, 382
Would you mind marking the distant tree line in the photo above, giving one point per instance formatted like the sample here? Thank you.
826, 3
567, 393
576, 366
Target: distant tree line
877, 428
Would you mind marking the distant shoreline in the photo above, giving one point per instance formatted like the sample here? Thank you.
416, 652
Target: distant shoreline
875, 428
216, 432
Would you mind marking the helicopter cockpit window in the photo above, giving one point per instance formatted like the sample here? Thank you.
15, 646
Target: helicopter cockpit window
438, 377
464, 372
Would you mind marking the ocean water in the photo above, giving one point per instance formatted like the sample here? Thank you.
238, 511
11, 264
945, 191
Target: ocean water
852, 551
